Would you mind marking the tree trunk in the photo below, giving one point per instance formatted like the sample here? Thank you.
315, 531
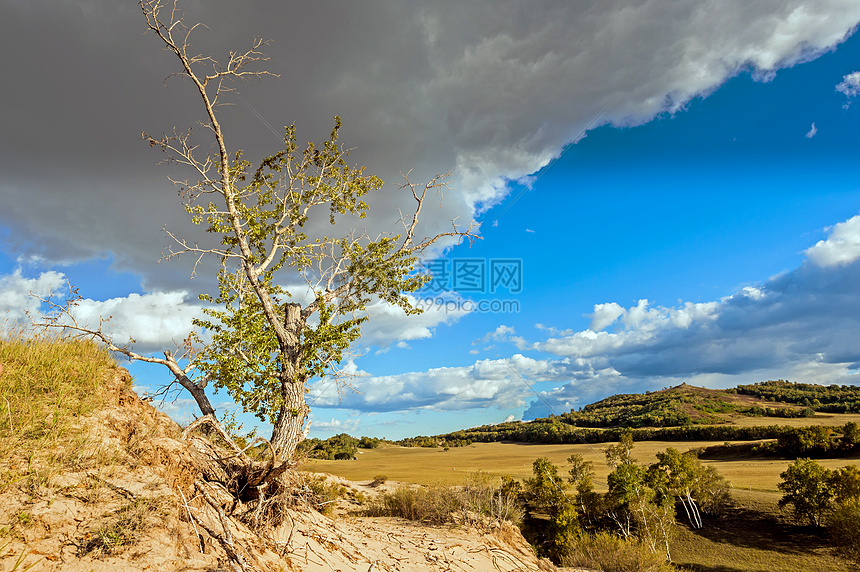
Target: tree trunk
197, 390
695, 510
289, 425
288, 431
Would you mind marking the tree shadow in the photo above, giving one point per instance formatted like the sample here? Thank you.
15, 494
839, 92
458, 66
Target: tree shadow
717, 568
749, 528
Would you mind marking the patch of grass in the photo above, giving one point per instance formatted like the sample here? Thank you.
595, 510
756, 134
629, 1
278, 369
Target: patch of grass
324, 494
123, 527
47, 383
25, 518
19, 562
421, 465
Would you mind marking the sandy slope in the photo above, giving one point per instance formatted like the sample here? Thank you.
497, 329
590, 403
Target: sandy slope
360, 544
145, 475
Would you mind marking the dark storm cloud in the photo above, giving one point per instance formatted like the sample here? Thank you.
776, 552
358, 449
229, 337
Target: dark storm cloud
490, 90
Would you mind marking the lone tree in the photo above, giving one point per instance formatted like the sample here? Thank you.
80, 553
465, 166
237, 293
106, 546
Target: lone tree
265, 345
807, 486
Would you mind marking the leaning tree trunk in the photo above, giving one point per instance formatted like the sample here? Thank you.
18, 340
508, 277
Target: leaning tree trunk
288, 431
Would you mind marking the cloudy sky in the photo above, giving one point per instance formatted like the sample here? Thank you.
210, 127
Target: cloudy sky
668, 191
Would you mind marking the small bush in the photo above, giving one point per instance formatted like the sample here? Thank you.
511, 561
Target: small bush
481, 497
433, 504
378, 480
609, 553
845, 530
324, 494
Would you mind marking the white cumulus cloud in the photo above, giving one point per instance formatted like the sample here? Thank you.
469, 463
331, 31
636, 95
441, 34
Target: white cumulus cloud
604, 315
841, 247
336, 425
487, 383
850, 85
20, 295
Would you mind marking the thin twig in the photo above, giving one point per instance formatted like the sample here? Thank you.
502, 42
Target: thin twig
193, 524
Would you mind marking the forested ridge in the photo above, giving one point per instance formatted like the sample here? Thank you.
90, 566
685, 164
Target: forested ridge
681, 413
823, 398
685, 413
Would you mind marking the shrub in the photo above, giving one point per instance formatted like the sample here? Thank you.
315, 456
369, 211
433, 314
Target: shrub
845, 530
434, 504
609, 553
480, 497
323, 493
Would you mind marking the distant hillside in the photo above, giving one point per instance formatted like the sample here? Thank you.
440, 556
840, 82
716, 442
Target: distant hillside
680, 413
676, 407
687, 405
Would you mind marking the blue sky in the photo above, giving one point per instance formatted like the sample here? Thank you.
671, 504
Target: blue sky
702, 230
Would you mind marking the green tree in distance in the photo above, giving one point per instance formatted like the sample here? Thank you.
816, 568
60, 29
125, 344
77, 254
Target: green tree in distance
807, 487
546, 493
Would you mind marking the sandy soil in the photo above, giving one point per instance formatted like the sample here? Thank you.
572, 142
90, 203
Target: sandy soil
62, 526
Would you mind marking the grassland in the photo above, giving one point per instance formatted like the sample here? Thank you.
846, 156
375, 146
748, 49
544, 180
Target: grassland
433, 465
826, 419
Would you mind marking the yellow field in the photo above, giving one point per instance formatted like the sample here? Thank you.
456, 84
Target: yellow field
427, 466
832, 419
